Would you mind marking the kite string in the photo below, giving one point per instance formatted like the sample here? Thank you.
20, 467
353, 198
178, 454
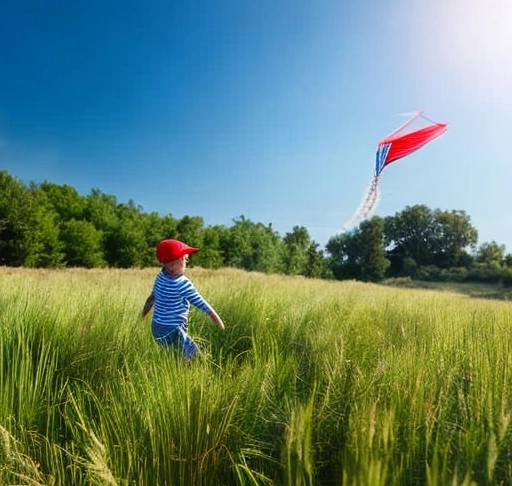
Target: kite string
429, 120
415, 116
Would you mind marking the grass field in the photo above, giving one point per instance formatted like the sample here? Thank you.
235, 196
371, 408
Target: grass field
480, 290
313, 383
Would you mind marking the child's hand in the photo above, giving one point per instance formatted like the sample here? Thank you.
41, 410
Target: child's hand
148, 305
215, 318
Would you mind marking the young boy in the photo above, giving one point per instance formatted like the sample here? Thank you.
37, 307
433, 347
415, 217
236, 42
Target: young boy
172, 295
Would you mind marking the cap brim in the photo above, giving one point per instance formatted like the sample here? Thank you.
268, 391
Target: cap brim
189, 250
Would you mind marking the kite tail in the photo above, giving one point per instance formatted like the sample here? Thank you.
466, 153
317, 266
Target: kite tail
367, 206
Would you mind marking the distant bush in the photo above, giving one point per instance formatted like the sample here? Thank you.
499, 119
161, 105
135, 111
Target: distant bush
485, 273
506, 279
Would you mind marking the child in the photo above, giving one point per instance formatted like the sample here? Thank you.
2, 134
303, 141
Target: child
172, 295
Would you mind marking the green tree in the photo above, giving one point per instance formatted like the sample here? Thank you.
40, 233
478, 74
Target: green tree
295, 255
373, 260
44, 245
419, 237
360, 253
252, 246
82, 244
28, 233
302, 256
454, 234
211, 255
507, 260
189, 229
491, 254
101, 210
65, 200
343, 259
126, 241
317, 263
155, 228
14, 198
410, 235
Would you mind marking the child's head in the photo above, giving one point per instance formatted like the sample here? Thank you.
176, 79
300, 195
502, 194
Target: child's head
173, 254
176, 267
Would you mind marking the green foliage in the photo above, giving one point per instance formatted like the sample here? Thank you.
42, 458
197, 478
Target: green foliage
210, 255
373, 256
49, 225
420, 243
428, 237
252, 246
190, 228
100, 210
82, 244
43, 244
360, 254
297, 244
455, 234
28, 233
65, 200
491, 254
317, 265
411, 233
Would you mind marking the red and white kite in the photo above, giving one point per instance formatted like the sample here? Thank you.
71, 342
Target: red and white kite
400, 143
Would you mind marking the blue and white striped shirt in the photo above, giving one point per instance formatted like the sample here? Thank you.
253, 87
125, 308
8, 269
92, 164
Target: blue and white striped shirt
173, 296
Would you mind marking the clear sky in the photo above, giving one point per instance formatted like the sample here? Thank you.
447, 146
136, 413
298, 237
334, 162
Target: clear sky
270, 109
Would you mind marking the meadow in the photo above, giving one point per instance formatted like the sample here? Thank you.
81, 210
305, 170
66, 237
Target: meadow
312, 383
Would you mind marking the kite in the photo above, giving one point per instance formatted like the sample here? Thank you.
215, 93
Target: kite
400, 143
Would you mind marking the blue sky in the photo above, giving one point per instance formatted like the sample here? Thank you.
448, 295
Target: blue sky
267, 109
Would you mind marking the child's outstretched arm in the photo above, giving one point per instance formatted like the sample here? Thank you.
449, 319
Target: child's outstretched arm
215, 318
148, 305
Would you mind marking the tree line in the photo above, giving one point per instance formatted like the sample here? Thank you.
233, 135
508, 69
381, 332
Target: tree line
48, 225
419, 243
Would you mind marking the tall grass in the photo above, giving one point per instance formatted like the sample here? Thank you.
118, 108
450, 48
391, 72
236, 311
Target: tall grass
313, 383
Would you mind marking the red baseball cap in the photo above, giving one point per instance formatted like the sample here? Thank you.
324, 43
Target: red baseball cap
168, 250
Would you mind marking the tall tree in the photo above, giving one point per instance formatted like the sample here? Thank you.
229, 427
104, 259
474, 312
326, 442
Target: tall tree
190, 230
410, 235
82, 244
455, 235
418, 236
295, 253
100, 210
44, 247
359, 254
28, 233
252, 246
155, 228
14, 198
126, 241
211, 255
65, 200
507, 260
343, 259
373, 260
491, 254
317, 263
